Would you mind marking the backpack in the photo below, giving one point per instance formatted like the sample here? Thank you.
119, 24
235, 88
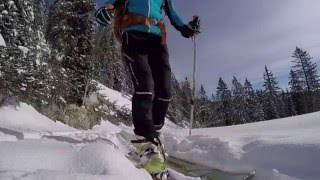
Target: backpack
123, 19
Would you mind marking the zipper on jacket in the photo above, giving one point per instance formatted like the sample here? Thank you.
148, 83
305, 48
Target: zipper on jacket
149, 11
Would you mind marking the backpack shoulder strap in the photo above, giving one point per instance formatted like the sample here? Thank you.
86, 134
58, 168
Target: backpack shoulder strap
119, 3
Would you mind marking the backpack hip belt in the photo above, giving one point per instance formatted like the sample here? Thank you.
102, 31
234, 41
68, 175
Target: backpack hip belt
134, 19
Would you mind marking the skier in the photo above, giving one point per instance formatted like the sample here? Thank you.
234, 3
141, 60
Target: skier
143, 37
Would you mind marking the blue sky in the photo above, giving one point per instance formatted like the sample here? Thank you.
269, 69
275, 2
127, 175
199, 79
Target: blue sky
240, 37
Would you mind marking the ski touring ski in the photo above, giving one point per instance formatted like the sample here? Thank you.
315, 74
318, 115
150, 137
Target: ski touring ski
204, 172
184, 167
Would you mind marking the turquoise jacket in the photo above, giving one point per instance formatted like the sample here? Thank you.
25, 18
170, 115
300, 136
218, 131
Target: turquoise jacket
151, 9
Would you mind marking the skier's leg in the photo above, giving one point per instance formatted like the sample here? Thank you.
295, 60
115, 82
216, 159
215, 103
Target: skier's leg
161, 71
135, 52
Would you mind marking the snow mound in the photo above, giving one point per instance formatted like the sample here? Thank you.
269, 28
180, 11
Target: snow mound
25, 118
35, 147
107, 127
54, 158
2, 42
116, 97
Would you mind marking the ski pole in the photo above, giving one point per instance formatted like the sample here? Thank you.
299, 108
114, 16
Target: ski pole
193, 85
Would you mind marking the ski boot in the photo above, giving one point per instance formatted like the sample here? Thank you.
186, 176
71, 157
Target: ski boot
152, 157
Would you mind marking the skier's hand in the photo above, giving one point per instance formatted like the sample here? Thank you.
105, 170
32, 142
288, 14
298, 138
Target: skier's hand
192, 28
104, 15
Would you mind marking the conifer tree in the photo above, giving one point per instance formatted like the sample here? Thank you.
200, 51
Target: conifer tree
39, 54
289, 107
271, 103
186, 97
24, 71
70, 33
204, 110
224, 111
239, 103
9, 23
110, 68
297, 93
254, 109
306, 71
176, 110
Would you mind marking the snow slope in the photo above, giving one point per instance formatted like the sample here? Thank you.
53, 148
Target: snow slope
34, 147
27, 118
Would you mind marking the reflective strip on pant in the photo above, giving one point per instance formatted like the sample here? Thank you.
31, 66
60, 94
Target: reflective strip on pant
161, 99
144, 93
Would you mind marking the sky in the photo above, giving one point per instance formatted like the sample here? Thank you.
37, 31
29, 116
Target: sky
240, 37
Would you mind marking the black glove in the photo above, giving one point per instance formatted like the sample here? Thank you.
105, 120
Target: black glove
104, 16
192, 28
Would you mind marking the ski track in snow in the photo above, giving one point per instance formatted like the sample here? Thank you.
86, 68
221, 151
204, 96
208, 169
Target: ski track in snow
35, 147
81, 155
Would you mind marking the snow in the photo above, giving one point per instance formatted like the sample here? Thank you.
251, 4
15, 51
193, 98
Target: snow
288, 147
15, 32
114, 97
35, 147
5, 12
24, 49
25, 117
2, 42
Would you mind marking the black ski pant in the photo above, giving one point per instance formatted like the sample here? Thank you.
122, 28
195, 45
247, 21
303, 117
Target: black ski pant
148, 62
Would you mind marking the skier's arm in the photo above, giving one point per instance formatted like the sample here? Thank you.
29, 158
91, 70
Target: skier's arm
173, 16
104, 14
187, 30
